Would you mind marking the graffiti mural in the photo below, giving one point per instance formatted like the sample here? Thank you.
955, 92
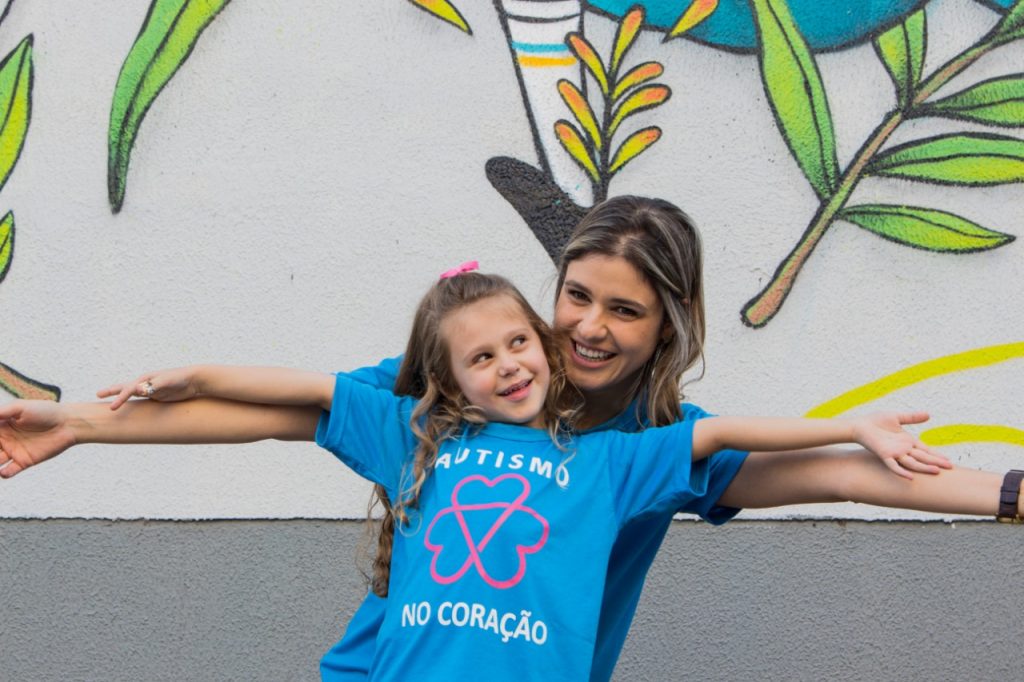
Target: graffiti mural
15, 113
950, 434
168, 34
793, 85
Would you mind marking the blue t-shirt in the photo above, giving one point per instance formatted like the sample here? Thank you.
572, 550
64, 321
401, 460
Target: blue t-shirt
500, 571
631, 557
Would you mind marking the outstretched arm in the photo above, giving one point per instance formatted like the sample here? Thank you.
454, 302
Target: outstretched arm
880, 433
33, 431
270, 385
773, 479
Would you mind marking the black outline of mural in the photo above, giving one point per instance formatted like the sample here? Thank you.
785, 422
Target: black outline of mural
146, 71
939, 159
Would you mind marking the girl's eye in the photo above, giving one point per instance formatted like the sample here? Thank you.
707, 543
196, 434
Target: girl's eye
518, 341
627, 312
482, 357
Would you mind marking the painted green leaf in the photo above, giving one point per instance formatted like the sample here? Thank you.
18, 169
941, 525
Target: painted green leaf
15, 105
644, 98
635, 144
586, 53
168, 35
796, 94
573, 143
625, 35
1011, 26
580, 108
6, 244
638, 75
902, 50
998, 101
973, 159
925, 228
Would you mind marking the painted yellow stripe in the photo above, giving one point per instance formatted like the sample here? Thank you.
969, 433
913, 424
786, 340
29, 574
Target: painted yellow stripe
973, 433
528, 60
957, 362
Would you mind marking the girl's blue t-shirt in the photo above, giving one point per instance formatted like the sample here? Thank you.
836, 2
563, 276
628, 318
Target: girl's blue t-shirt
631, 557
500, 572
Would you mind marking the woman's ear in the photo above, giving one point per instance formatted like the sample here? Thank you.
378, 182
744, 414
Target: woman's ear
667, 332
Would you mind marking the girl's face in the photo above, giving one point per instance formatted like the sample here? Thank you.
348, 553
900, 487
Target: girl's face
614, 321
498, 360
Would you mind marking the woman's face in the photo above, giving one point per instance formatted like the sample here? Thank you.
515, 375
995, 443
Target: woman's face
614, 320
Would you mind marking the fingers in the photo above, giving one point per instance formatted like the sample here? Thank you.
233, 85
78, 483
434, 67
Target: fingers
912, 417
923, 453
142, 388
10, 411
895, 467
8, 467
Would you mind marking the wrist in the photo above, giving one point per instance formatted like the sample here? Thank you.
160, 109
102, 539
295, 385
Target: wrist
197, 378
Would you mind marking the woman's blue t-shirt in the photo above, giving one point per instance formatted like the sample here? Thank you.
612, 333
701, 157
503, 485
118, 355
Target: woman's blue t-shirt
630, 559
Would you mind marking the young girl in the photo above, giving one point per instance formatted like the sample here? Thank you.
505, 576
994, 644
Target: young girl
504, 519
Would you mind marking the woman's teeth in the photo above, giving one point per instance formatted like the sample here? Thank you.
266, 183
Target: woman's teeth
591, 353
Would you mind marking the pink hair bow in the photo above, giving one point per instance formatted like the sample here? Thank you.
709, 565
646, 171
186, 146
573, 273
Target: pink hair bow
468, 266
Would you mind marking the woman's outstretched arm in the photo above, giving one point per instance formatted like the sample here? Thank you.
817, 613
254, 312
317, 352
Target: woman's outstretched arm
773, 479
33, 431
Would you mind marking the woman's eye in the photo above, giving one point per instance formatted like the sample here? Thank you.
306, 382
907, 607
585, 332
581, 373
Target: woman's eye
577, 295
626, 312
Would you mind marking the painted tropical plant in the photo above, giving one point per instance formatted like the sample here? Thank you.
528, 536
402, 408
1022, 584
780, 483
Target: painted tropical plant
168, 35
16, 74
590, 138
970, 159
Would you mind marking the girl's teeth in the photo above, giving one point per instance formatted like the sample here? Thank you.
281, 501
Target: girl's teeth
591, 354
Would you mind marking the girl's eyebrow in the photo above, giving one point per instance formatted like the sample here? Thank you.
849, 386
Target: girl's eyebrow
615, 301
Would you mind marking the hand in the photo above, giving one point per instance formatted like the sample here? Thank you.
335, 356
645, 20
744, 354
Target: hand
166, 385
31, 431
882, 433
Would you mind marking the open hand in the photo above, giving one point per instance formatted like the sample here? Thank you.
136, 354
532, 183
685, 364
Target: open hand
883, 434
166, 385
31, 431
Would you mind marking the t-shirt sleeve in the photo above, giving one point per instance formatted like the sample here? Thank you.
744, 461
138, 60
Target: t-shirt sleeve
368, 429
382, 375
653, 471
722, 468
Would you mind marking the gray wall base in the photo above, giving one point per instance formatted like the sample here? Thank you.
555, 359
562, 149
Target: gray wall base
262, 600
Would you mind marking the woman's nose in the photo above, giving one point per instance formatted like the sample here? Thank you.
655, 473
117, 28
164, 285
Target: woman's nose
591, 326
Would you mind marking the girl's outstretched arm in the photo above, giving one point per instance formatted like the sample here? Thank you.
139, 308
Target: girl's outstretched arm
881, 433
33, 431
270, 385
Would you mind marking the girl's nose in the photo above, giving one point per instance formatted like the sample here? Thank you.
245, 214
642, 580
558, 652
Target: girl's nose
508, 368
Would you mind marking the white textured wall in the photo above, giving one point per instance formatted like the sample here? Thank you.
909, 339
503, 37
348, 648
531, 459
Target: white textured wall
314, 165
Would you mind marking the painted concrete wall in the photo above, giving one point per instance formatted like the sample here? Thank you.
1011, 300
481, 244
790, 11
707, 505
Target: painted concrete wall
279, 183
751, 600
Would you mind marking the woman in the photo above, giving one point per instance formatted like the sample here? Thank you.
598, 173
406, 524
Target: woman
623, 304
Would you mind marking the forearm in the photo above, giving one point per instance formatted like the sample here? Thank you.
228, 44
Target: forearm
201, 420
270, 385
767, 434
772, 479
